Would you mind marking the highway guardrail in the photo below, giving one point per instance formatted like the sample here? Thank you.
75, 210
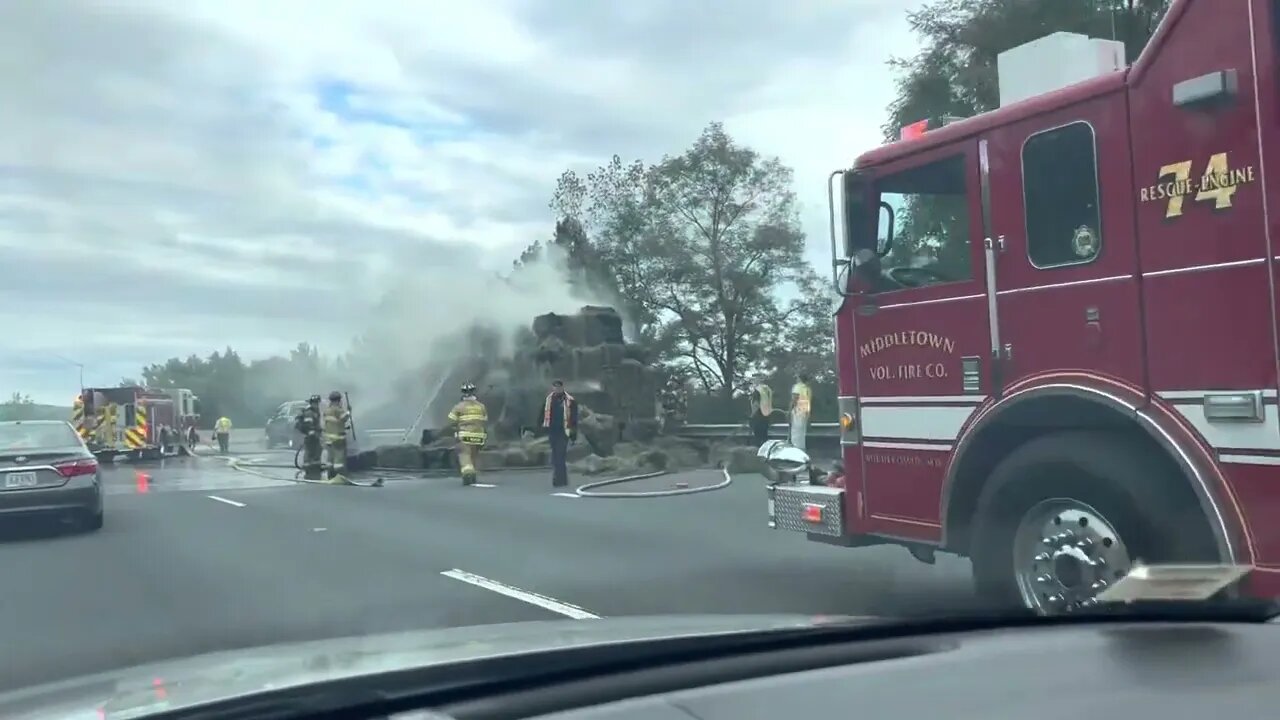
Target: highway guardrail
712, 431
702, 431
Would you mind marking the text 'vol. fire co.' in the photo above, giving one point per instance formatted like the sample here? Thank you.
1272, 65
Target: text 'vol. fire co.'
909, 370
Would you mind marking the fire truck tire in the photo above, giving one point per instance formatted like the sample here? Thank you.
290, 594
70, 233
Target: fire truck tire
1096, 497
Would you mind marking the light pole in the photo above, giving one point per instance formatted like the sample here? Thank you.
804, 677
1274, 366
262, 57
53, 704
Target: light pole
73, 362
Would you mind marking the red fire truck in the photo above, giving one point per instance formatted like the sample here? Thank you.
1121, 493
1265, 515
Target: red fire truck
134, 422
1057, 344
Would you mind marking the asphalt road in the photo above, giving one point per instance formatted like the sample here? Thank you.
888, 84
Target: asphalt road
198, 556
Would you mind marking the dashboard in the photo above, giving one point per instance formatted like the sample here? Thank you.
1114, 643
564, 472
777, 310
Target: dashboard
1169, 671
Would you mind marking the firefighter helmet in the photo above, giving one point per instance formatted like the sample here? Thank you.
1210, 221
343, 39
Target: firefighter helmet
335, 396
314, 400
468, 388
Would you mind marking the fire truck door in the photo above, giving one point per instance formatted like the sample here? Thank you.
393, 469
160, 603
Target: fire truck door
923, 347
1206, 247
1067, 292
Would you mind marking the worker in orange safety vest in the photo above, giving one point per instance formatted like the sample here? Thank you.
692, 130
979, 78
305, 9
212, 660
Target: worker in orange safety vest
560, 420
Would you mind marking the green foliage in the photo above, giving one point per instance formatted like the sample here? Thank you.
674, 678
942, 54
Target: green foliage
245, 392
587, 270
701, 244
20, 406
954, 74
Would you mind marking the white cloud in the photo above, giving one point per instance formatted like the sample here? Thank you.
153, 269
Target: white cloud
179, 177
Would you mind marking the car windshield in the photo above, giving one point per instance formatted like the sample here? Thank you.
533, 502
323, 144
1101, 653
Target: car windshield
30, 436
536, 259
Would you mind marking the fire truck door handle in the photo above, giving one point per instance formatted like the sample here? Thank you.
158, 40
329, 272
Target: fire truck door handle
1093, 328
1008, 352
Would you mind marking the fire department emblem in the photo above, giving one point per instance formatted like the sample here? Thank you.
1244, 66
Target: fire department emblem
1085, 242
20, 459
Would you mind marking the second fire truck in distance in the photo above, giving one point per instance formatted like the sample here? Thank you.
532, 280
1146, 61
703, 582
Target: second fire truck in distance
1058, 341
135, 422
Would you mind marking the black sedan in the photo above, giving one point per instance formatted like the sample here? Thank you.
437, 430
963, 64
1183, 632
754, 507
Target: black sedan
45, 469
280, 430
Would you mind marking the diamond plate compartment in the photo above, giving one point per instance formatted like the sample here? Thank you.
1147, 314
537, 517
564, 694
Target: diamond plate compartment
788, 505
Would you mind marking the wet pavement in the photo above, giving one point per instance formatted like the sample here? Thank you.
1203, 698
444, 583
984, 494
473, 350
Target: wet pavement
208, 553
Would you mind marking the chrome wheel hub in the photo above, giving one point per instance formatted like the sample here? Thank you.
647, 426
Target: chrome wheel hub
1066, 552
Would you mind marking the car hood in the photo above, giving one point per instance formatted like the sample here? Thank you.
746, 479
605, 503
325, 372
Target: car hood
140, 691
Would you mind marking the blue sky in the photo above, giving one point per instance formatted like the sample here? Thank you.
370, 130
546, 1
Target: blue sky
174, 176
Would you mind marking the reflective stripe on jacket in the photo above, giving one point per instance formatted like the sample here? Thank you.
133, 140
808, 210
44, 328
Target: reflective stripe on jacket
566, 406
335, 423
470, 417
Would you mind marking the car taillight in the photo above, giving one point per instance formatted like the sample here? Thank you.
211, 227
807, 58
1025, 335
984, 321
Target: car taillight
74, 468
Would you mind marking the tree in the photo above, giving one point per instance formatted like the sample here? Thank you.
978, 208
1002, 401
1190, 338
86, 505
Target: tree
807, 343
702, 242
245, 392
954, 74
20, 406
586, 270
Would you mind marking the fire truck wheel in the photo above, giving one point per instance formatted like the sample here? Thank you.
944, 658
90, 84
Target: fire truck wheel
1067, 514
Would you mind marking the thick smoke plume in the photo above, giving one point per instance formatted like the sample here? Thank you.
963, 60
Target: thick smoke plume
427, 323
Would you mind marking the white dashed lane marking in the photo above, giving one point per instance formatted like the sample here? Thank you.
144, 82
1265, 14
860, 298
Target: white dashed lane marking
511, 591
232, 503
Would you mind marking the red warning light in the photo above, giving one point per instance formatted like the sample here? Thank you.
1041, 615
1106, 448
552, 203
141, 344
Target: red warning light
915, 130
813, 513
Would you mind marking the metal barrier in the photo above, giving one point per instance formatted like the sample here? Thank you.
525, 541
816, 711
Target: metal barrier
704, 431
713, 431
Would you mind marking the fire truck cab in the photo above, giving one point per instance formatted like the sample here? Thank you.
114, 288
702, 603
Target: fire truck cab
1057, 344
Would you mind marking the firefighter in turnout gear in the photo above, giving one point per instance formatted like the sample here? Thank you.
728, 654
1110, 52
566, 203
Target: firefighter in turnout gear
308, 425
469, 418
335, 422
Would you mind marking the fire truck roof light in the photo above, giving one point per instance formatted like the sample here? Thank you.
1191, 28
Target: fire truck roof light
915, 130
918, 128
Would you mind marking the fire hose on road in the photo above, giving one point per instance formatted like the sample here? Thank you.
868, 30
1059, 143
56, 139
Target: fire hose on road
590, 489
594, 489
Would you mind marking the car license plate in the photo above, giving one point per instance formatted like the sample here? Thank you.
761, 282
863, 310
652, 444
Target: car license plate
20, 480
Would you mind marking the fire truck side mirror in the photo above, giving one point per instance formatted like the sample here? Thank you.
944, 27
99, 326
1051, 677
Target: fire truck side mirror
884, 230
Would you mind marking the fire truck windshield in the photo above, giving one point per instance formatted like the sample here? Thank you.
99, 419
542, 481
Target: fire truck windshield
927, 208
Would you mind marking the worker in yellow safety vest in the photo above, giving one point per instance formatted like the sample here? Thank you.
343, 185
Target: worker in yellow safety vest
222, 430
335, 422
801, 408
761, 399
469, 418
